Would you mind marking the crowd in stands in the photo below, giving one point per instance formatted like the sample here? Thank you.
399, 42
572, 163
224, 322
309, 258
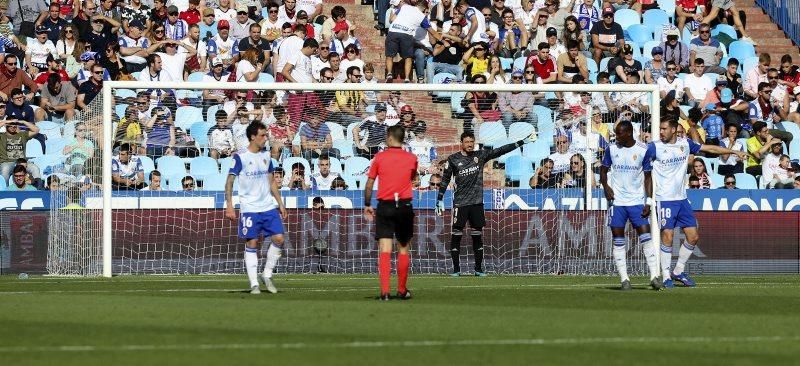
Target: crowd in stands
57, 54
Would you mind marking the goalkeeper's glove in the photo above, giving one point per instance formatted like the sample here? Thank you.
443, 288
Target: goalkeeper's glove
439, 209
532, 137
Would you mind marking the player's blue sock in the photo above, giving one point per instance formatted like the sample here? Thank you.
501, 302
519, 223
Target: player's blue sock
251, 265
477, 249
650, 255
683, 255
273, 254
619, 258
455, 250
666, 260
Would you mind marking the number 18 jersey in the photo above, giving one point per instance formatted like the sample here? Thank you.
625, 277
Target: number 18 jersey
670, 162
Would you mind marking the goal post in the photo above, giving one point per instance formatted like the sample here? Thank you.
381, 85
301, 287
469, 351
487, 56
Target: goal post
507, 219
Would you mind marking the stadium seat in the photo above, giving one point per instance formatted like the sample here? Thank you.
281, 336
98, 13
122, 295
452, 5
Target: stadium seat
544, 118
517, 166
68, 130
337, 131
210, 113
147, 165
265, 78
356, 165
491, 134
225, 164
604, 64
196, 76
741, 50
215, 182
171, 165
455, 102
125, 93
592, 66
626, 18
345, 148
424, 181
296, 141
647, 48
3, 184
642, 59
745, 181
199, 131
120, 109
747, 64
502, 159
48, 160
717, 180
507, 63
174, 182
49, 129
654, 19
440, 78
289, 161
351, 182
519, 63
724, 28
519, 130
536, 151
54, 145
336, 165
686, 36
639, 34
789, 127
186, 116
203, 166
794, 148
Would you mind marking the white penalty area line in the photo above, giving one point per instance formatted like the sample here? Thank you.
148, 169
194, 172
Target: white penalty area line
394, 344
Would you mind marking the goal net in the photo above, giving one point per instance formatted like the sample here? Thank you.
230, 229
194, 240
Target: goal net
545, 209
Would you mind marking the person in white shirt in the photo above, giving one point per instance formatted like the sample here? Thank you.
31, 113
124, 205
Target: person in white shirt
155, 72
240, 26
193, 40
287, 13
174, 61
476, 31
222, 45
155, 182
320, 61
400, 39
37, 51
697, 85
323, 178
288, 49
561, 157
220, 137
298, 68
134, 47
670, 157
423, 148
670, 81
312, 7
775, 169
225, 11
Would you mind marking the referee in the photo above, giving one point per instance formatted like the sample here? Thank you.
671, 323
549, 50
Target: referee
396, 169
467, 168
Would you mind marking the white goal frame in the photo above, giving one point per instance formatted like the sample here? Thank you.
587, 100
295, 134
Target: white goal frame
108, 133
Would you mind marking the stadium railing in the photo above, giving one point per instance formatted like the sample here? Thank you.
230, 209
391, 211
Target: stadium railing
786, 13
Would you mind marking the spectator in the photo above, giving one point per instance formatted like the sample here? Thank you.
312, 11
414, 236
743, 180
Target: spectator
288, 49
700, 171
134, 47
103, 31
57, 102
155, 72
543, 64
249, 67
370, 96
479, 106
776, 169
339, 75
476, 32
708, 49
317, 203
586, 14
53, 22
758, 147
339, 14
756, 76
217, 74
79, 150
28, 13
342, 38
114, 65
585, 142
67, 40
12, 144
655, 68
626, 65
793, 108
712, 124
556, 48
735, 111
172, 61
561, 157
220, 138
435, 182
731, 163
374, 128
155, 182
408, 120
670, 107
350, 104
692, 127
298, 70
713, 95
157, 33
255, 41
676, 51
638, 103
496, 73
208, 26
607, 36
400, 39
222, 45
789, 73
513, 40
53, 183
517, 106
278, 177
36, 52
175, 28
729, 182
577, 176
89, 90
191, 15
538, 31
779, 92
447, 54
766, 110
288, 11
225, 11
574, 32
270, 26
544, 177
19, 181
697, 85
323, 178
127, 172
572, 63
733, 79
423, 147
353, 58
240, 26
129, 129
187, 183
109, 9
280, 134
727, 7
694, 182
136, 11
797, 182
158, 15
316, 139
320, 61
686, 11
476, 60
160, 133
53, 67
298, 179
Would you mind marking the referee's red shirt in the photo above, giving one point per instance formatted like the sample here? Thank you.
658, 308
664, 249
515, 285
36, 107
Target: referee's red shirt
395, 168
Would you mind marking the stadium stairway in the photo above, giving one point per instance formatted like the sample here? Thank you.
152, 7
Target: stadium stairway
767, 34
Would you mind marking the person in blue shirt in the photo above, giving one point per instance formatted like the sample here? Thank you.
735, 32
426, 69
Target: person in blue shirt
713, 124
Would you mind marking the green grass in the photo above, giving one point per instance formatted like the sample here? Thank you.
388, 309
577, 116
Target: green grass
335, 320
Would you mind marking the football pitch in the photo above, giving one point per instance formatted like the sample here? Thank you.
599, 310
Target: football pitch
336, 320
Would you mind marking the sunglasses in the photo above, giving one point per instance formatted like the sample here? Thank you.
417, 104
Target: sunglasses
190, 185
357, 76
158, 31
241, 13
771, 77
694, 186
561, 142
273, 11
351, 51
608, 16
68, 31
217, 66
324, 48
173, 14
98, 73
241, 96
479, 49
11, 63
19, 176
327, 78
730, 183
672, 69
705, 32
530, 72
516, 78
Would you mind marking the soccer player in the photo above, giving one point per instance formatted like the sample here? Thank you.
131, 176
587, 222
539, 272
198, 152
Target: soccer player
670, 157
467, 168
261, 206
625, 195
394, 217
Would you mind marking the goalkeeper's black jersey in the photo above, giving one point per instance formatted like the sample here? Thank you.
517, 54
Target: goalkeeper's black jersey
467, 168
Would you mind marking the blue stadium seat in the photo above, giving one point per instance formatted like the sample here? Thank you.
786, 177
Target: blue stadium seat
215, 182
536, 151
455, 101
54, 145
717, 180
491, 134
626, 17
517, 166
212, 110
287, 163
440, 78
502, 159
745, 181
186, 116
356, 166
120, 109
48, 160
125, 93
654, 19
68, 131
225, 164
171, 165
199, 131
642, 59
604, 64
519, 63
337, 131
196, 76
639, 34
741, 50
747, 64
203, 166
345, 148
724, 28
668, 6
147, 165
174, 182
351, 181
592, 66
349, 131
686, 36
507, 63
265, 78
336, 165
519, 130
3, 184
49, 129
544, 118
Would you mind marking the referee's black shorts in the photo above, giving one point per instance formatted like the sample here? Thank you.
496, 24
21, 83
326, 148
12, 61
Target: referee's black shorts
394, 219
473, 214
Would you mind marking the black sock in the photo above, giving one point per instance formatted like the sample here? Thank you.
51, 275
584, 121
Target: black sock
455, 251
477, 249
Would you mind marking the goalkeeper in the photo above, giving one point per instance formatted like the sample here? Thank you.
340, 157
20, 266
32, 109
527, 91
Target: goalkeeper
467, 167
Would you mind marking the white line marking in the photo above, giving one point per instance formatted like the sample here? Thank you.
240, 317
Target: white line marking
391, 344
